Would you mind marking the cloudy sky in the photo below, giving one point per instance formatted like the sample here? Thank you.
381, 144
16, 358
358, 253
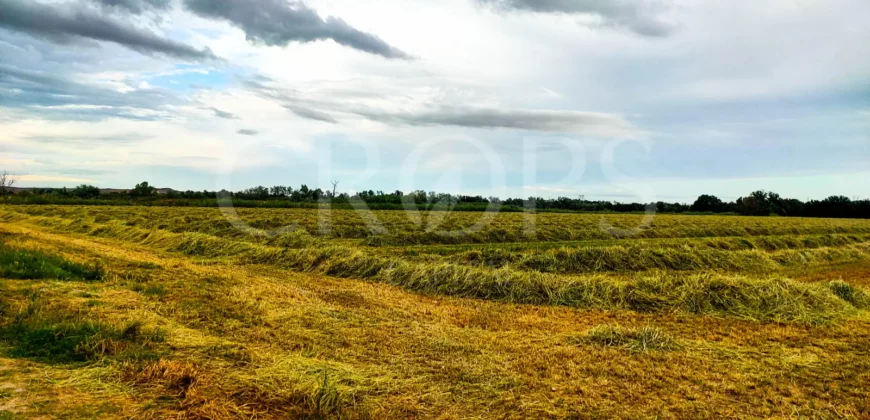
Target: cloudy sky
618, 99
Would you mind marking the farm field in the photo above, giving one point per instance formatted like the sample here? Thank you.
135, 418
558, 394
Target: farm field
119, 312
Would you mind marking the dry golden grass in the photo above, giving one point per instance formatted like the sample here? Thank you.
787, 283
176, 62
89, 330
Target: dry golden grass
402, 228
218, 339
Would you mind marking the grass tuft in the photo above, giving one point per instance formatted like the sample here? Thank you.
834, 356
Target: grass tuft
295, 239
179, 378
856, 296
638, 340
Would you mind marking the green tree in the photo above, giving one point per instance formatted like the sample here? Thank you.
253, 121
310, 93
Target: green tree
759, 203
708, 203
86, 191
142, 190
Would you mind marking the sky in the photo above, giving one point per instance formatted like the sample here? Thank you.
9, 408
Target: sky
618, 100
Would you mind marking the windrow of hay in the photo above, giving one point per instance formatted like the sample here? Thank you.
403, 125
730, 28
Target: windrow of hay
763, 243
638, 258
566, 260
399, 228
500, 234
764, 299
780, 242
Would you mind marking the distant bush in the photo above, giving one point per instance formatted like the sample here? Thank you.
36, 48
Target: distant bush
757, 203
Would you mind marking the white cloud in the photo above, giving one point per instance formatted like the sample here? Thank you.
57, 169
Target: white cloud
534, 189
33, 179
706, 93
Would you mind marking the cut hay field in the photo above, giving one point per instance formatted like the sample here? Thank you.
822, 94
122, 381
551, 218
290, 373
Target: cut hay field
139, 312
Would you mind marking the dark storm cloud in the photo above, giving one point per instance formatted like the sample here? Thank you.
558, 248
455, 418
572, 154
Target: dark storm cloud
61, 21
80, 56
248, 132
31, 88
277, 22
642, 17
51, 97
135, 6
224, 114
310, 114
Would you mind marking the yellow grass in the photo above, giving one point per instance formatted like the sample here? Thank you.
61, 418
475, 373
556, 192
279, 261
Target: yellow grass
232, 325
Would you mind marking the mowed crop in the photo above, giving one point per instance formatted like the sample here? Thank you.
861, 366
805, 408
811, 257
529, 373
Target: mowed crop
401, 228
276, 313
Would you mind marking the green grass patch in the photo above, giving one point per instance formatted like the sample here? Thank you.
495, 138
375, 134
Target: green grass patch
78, 341
153, 290
27, 264
46, 331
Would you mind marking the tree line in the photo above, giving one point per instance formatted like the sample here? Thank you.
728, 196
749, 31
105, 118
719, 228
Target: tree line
758, 203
